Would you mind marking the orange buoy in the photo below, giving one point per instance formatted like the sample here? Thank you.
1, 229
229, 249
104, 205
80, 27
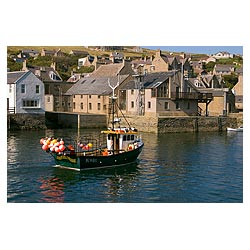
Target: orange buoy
45, 147
57, 150
62, 147
105, 153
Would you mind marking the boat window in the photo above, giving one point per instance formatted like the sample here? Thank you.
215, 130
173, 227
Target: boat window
132, 137
124, 137
128, 137
109, 137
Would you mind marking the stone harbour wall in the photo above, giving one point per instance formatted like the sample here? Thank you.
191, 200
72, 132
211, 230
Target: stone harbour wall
72, 120
195, 124
25, 121
183, 124
152, 124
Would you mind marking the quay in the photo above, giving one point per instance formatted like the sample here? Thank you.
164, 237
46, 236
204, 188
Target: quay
160, 124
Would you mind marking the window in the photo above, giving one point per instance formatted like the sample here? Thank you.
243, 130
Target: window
99, 106
30, 103
74, 105
10, 88
166, 106
132, 104
90, 106
81, 96
37, 89
89, 96
153, 92
81, 105
99, 96
163, 90
132, 91
149, 105
23, 88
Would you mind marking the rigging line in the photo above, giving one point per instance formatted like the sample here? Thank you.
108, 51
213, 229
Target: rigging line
122, 114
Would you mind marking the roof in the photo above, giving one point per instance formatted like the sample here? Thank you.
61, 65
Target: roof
108, 70
95, 85
223, 67
43, 73
13, 77
79, 52
152, 80
30, 51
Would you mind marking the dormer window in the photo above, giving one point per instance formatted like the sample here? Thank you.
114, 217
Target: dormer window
54, 76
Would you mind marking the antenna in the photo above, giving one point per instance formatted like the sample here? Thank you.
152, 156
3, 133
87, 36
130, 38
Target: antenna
114, 87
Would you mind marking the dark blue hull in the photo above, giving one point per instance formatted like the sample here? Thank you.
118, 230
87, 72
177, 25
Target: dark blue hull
82, 162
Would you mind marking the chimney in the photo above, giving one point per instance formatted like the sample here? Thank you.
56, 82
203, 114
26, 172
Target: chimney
53, 65
25, 66
158, 53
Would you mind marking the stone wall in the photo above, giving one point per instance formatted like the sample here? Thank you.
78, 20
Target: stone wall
25, 121
195, 124
71, 120
182, 124
142, 123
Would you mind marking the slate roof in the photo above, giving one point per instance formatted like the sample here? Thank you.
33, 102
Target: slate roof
223, 67
79, 52
94, 85
108, 70
45, 74
152, 80
13, 77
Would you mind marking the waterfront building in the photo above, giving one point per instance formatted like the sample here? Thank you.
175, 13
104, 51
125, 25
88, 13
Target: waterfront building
238, 93
25, 93
159, 94
91, 94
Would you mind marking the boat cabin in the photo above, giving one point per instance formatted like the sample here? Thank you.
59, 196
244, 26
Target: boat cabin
121, 139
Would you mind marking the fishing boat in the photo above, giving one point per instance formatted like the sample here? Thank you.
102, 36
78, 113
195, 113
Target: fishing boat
239, 129
115, 146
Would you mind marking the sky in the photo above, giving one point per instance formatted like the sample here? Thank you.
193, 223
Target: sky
199, 49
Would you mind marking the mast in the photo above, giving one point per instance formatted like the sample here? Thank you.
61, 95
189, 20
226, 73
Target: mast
113, 98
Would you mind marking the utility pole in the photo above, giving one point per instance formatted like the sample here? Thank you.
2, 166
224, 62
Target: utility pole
140, 101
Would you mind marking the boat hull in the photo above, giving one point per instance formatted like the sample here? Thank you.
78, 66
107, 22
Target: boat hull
235, 129
84, 162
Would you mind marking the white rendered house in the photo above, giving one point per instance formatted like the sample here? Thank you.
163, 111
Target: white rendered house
25, 93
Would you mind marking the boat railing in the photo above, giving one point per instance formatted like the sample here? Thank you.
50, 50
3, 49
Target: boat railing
85, 144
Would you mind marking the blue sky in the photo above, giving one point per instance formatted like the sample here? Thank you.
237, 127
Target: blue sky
199, 49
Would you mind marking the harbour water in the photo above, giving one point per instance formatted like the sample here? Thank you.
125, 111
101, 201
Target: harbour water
173, 168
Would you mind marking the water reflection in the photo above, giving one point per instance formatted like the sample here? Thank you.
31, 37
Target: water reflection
52, 189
